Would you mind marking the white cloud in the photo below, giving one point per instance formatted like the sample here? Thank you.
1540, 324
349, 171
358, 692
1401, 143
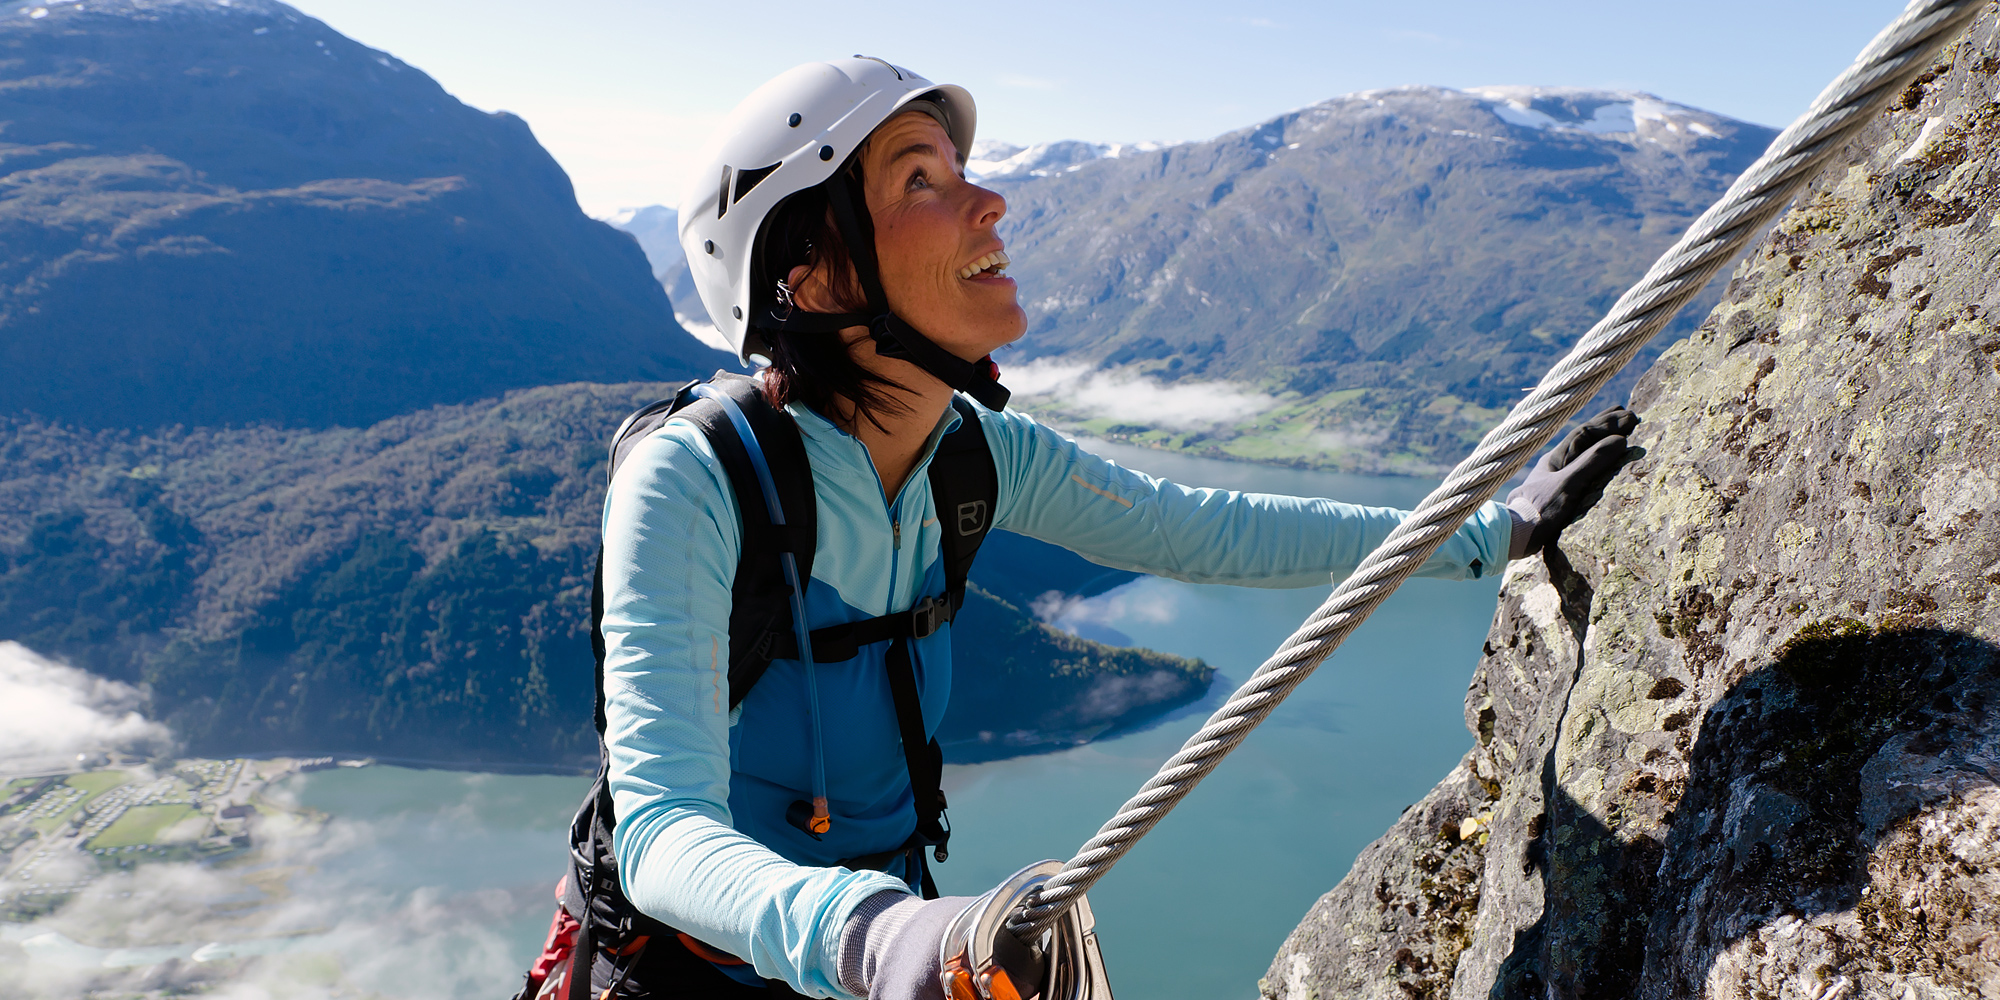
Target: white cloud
1113, 695
704, 331
49, 708
321, 908
1142, 601
1133, 398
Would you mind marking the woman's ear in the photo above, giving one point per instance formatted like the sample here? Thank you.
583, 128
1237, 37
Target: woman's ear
809, 291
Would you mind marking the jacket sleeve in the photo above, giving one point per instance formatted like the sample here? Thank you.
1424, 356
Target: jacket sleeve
671, 539
1054, 490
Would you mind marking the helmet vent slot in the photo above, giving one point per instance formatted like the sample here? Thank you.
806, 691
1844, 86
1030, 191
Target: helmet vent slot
885, 62
722, 196
747, 179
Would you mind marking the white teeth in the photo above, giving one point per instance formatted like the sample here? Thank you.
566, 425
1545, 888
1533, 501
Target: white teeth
997, 260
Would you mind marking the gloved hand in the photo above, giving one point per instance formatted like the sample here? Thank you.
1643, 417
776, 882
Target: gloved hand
1568, 480
889, 948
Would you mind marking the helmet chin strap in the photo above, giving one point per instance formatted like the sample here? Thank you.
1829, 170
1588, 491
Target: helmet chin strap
894, 337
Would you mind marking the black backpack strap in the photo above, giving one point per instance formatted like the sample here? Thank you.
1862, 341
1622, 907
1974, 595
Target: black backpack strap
924, 758
761, 603
965, 488
760, 606
760, 611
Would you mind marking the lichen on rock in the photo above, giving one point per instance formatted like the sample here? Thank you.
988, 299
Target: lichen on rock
1739, 734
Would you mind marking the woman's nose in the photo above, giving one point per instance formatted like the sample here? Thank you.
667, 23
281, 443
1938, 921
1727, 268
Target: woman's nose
987, 208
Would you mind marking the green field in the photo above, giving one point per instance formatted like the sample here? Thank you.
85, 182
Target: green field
140, 824
13, 786
50, 824
96, 782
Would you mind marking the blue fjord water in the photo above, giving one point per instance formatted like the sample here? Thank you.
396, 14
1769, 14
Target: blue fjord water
1194, 912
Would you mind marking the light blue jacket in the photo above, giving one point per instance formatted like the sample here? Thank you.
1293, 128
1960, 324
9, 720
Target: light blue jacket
701, 791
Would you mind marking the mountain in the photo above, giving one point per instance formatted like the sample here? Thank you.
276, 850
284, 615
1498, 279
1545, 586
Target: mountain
657, 229
420, 587
1739, 735
225, 213
274, 311
991, 159
1373, 279
1367, 283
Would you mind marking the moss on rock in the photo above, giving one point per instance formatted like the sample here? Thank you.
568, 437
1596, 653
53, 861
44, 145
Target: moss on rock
1742, 731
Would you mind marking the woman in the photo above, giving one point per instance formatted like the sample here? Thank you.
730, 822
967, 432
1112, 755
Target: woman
836, 240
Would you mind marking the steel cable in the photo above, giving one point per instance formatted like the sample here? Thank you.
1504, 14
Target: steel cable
1887, 65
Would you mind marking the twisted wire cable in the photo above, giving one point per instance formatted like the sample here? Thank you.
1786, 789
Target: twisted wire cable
1887, 65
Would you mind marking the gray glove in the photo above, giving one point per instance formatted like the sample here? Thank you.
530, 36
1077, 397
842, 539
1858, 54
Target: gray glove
1568, 480
889, 948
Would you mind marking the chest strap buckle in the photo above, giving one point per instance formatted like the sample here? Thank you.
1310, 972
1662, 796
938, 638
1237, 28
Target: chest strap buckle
929, 615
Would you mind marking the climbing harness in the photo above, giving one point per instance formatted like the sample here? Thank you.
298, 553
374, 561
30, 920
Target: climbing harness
763, 454
1887, 65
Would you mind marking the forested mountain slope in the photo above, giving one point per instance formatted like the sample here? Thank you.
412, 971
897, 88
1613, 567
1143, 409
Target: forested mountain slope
421, 587
226, 213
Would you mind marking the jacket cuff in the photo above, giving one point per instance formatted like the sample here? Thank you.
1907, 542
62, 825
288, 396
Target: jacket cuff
869, 928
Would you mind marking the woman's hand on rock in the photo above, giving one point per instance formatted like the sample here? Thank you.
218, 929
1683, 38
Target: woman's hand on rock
1567, 480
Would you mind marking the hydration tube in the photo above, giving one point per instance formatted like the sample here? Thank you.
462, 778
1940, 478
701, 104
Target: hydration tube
820, 821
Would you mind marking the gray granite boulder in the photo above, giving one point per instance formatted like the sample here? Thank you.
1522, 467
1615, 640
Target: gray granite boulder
1740, 735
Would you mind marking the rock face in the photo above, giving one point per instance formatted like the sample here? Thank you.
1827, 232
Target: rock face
1740, 737
225, 213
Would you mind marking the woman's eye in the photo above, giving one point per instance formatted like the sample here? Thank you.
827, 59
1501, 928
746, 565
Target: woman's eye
918, 180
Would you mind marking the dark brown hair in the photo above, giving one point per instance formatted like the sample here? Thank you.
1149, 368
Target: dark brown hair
817, 369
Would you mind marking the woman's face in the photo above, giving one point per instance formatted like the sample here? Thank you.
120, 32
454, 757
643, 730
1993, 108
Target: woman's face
934, 240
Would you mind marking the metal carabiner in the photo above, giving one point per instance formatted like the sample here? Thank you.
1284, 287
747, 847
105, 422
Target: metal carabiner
981, 959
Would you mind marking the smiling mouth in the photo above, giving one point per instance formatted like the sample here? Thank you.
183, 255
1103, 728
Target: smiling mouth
993, 265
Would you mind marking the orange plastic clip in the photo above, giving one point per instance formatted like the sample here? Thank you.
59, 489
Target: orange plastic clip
1000, 986
958, 982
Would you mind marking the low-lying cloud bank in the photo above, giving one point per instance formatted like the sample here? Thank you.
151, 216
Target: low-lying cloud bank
429, 885
52, 709
1127, 396
302, 918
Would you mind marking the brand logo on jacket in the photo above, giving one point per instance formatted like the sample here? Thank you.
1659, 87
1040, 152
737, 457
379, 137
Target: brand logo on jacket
971, 517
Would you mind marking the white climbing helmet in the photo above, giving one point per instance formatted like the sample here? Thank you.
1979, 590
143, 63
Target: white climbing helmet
790, 134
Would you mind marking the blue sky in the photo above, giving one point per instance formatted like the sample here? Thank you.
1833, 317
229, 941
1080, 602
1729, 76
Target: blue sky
624, 91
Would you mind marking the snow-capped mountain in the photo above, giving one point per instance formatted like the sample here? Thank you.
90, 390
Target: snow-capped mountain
1601, 112
993, 159
1403, 260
